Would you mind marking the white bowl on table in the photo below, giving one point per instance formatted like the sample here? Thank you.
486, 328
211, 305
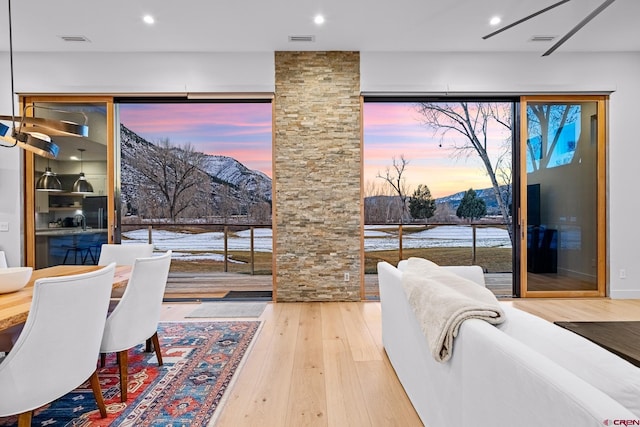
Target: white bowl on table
14, 278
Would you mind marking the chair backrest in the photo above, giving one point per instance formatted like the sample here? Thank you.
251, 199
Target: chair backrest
3, 260
124, 254
136, 316
58, 348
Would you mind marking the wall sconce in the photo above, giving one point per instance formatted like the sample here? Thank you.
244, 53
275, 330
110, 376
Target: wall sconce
82, 186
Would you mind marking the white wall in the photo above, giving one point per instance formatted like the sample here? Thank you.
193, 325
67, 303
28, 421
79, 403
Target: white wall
517, 73
10, 184
115, 73
438, 73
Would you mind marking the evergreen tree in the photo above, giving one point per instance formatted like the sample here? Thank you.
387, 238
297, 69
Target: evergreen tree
471, 206
421, 204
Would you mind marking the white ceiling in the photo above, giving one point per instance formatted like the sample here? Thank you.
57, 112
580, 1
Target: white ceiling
265, 25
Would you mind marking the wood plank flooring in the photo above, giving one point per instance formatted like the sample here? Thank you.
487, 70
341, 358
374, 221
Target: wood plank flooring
323, 364
315, 364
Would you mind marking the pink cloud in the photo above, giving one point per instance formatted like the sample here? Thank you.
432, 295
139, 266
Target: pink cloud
184, 117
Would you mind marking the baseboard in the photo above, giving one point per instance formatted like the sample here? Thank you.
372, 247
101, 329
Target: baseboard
624, 294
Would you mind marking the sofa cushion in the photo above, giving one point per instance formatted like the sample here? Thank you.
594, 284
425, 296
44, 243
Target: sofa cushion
602, 369
421, 264
471, 272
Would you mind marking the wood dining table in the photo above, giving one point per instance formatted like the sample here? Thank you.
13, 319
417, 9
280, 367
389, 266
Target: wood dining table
14, 306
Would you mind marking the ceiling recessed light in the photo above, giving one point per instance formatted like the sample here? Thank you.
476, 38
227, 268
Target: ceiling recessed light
495, 21
148, 19
319, 19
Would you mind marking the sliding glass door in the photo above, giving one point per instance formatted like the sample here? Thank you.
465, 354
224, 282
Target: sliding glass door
66, 224
562, 196
438, 184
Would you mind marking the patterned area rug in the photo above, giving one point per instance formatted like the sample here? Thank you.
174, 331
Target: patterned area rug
200, 359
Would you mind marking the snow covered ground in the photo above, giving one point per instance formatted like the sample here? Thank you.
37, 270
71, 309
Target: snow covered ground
202, 246
195, 247
444, 236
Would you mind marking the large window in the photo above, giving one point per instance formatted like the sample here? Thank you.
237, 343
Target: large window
438, 183
196, 178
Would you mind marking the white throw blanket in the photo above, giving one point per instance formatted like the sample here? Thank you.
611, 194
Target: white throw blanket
442, 300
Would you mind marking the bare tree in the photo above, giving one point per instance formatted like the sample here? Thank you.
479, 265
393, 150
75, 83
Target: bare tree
380, 203
172, 180
445, 213
227, 203
394, 177
260, 212
472, 122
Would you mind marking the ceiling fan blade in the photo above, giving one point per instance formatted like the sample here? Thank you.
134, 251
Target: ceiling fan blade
526, 18
575, 29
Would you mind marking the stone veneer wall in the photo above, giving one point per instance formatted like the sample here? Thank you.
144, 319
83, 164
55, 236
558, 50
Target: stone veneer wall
317, 176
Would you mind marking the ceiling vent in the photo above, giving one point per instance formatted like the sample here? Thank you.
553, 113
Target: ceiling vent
542, 38
302, 38
75, 39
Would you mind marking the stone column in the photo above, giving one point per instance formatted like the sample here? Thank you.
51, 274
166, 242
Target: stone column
317, 176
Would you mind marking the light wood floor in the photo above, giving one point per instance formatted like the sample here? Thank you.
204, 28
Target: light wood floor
323, 364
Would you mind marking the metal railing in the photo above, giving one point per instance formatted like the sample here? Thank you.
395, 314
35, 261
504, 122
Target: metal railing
403, 234
404, 230
224, 227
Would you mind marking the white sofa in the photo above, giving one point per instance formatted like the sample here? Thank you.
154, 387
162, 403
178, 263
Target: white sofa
525, 372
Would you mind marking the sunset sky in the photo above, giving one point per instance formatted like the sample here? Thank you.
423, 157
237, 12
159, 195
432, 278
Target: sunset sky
395, 129
243, 131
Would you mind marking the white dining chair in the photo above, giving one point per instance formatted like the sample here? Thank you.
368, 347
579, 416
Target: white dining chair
58, 348
3, 260
135, 319
124, 254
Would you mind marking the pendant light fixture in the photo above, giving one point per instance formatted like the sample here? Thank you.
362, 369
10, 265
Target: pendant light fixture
82, 186
33, 133
48, 181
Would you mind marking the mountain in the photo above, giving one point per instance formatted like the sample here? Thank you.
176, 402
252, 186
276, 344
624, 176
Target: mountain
453, 200
230, 179
230, 171
485, 194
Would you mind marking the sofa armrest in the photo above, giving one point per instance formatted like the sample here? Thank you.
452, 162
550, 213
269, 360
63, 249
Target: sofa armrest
506, 383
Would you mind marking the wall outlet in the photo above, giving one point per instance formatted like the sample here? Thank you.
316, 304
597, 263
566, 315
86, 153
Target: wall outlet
623, 273
346, 277
4, 226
